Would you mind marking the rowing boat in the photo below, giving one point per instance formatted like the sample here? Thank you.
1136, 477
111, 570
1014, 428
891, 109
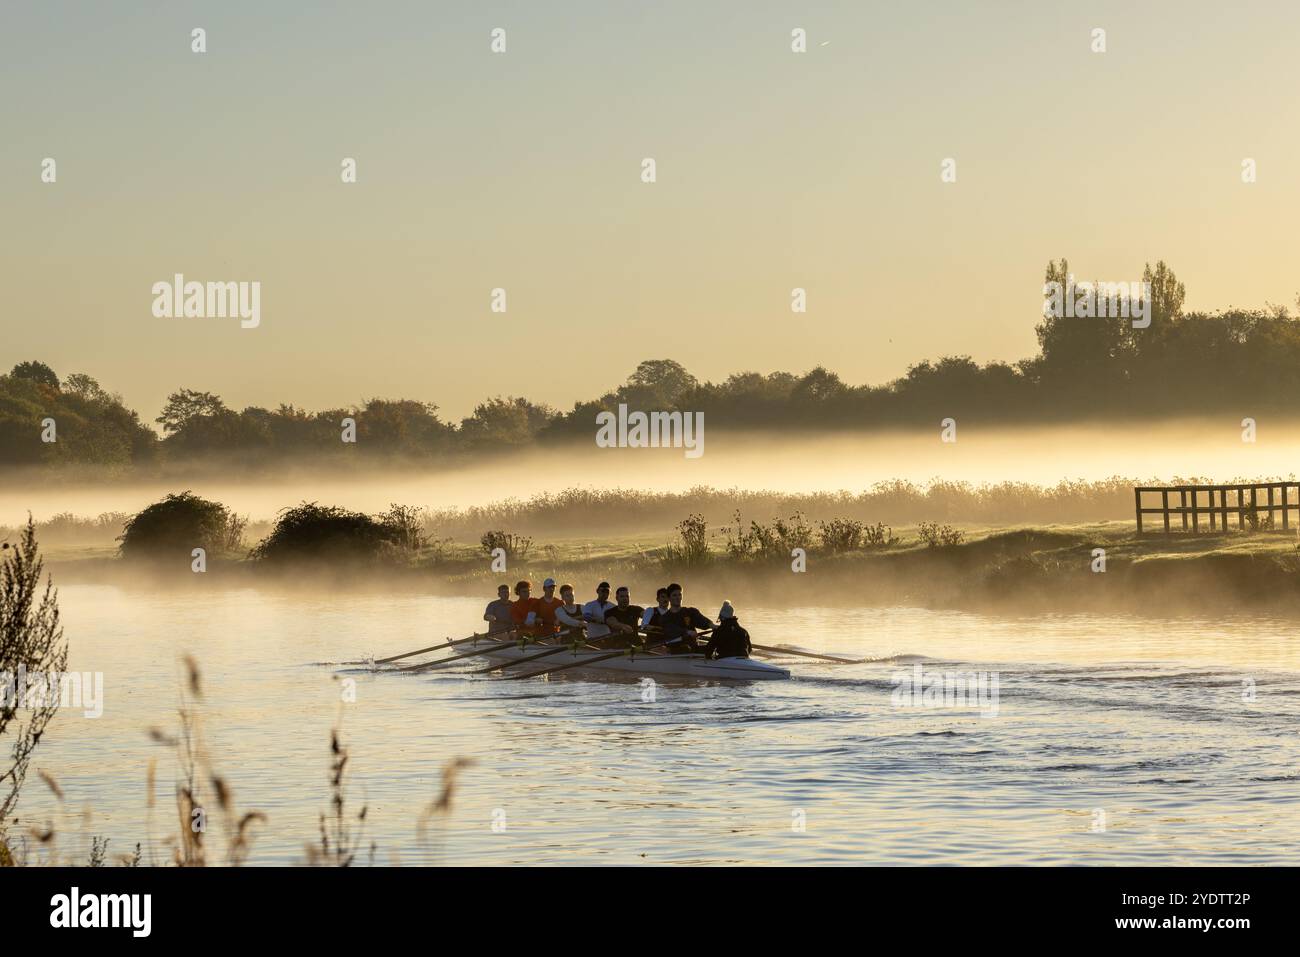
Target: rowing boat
647, 664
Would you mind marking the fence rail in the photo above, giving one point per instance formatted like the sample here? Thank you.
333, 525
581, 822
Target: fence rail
1198, 502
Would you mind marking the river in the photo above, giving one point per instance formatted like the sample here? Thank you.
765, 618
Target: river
1113, 740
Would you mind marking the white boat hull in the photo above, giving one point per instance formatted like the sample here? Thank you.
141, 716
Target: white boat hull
647, 664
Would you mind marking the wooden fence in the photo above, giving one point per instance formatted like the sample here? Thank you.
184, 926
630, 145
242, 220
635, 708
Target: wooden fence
1253, 505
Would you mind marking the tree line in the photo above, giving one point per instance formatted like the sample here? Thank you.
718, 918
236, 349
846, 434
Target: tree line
1240, 361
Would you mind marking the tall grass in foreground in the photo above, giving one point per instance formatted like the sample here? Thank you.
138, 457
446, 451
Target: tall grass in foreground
341, 833
32, 641
200, 790
207, 827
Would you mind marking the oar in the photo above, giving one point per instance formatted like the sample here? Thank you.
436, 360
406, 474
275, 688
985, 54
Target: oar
587, 661
576, 664
446, 644
656, 630
541, 654
426, 665
806, 654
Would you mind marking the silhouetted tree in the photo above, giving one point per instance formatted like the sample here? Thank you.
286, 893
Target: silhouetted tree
36, 372
1167, 293
508, 423
1086, 366
185, 406
657, 384
404, 426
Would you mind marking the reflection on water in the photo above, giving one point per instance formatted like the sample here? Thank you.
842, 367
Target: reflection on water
1140, 727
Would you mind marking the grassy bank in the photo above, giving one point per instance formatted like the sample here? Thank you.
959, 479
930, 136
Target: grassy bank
1020, 570
942, 545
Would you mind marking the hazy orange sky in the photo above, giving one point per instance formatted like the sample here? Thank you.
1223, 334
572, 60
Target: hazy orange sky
522, 170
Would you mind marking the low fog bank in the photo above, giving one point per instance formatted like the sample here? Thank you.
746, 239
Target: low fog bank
759, 461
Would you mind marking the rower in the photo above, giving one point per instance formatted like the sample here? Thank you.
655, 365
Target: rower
593, 613
498, 612
524, 610
569, 614
652, 615
679, 623
728, 640
623, 619
547, 605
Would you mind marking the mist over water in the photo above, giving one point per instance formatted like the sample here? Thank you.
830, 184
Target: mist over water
775, 460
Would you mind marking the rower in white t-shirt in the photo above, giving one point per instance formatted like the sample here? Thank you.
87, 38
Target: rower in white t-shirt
593, 613
651, 616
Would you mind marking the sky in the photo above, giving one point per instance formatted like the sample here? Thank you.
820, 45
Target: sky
522, 170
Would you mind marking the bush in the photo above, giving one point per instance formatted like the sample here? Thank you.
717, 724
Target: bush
314, 532
940, 536
879, 535
516, 546
774, 541
1256, 519
841, 535
407, 523
177, 525
693, 550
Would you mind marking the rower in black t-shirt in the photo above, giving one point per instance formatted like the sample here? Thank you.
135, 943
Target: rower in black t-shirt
679, 623
623, 619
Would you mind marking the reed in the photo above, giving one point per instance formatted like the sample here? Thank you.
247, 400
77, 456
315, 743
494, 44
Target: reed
208, 828
341, 833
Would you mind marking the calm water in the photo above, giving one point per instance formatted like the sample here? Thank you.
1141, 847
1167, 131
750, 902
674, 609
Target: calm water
1144, 722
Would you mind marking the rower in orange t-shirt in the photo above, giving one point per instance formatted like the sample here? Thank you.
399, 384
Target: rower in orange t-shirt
525, 611
547, 604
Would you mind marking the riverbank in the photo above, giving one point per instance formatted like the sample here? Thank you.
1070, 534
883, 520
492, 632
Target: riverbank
1101, 568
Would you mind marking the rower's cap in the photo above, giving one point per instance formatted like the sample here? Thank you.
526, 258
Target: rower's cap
602, 585
549, 583
726, 612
